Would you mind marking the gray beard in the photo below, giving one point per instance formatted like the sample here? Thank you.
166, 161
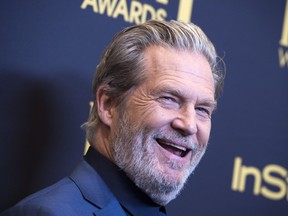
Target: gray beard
133, 152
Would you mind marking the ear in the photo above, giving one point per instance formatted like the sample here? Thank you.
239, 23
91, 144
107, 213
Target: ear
104, 105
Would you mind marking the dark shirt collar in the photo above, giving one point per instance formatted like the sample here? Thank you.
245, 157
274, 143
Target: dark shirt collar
132, 199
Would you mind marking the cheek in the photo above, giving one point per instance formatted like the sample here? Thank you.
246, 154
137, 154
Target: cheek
158, 117
203, 133
150, 116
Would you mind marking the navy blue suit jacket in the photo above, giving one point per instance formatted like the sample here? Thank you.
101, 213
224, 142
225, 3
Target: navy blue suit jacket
82, 193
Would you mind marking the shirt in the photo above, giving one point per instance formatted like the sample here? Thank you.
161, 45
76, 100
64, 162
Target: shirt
134, 201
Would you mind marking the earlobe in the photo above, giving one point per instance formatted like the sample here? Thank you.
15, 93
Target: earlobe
104, 105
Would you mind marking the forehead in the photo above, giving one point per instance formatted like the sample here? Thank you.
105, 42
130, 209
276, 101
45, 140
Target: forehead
171, 65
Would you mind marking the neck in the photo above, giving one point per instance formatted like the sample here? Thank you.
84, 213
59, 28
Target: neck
101, 141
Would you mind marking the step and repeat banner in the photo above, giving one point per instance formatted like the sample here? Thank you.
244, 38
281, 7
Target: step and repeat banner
48, 54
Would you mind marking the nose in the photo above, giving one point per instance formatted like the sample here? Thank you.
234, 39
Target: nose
186, 123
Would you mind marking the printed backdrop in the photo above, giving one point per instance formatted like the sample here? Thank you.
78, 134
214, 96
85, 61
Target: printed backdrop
49, 51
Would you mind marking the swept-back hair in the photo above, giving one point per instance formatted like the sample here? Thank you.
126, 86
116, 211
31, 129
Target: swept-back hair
121, 67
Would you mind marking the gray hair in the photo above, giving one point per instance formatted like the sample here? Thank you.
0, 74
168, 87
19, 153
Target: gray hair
121, 66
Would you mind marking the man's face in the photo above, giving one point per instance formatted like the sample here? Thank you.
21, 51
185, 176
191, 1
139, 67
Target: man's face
165, 128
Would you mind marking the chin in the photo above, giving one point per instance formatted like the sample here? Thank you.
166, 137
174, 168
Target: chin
163, 198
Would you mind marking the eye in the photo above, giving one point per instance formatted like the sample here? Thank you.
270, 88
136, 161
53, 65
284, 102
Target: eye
167, 98
168, 101
203, 112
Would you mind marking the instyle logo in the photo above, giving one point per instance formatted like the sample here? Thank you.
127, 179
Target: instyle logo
271, 182
137, 11
283, 48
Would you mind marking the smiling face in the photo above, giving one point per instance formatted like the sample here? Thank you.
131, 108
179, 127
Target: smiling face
164, 131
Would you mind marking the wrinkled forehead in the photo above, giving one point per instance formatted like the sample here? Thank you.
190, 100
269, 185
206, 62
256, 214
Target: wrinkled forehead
160, 61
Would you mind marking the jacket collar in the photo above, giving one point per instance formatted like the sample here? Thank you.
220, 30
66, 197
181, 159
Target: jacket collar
94, 190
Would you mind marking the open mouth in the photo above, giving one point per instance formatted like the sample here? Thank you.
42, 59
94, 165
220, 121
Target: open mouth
179, 151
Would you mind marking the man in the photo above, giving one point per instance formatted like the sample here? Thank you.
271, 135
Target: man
155, 90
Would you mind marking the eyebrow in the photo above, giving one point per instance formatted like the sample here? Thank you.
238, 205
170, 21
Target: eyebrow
209, 103
176, 92
167, 89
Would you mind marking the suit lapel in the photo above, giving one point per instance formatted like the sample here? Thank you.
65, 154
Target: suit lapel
113, 208
96, 191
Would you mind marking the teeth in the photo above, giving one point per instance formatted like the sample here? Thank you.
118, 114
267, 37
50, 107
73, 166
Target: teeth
178, 147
